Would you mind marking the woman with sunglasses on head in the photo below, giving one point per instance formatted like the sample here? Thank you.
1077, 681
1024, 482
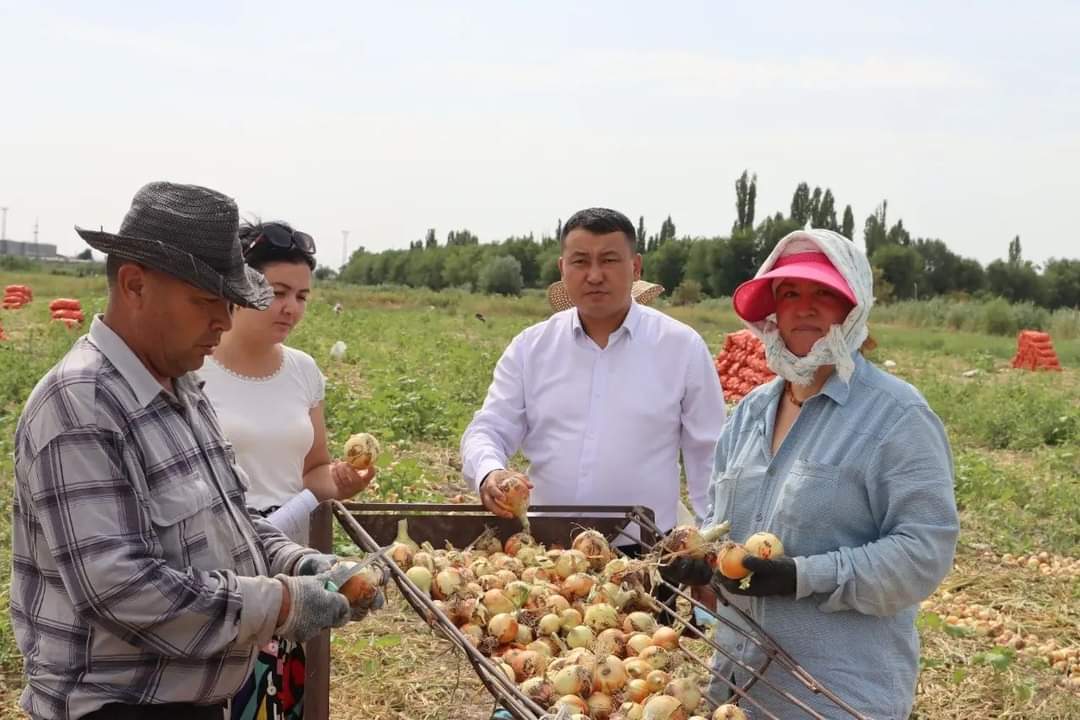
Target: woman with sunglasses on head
269, 400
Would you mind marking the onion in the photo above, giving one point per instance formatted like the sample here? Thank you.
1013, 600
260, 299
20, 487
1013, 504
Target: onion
506, 577
503, 627
473, 589
542, 647
583, 657
609, 675
527, 555
549, 624
526, 664
666, 638
507, 670
473, 633
490, 582
637, 668
663, 707
447, 582
420, 577
632, 710
481, 567
524, 634
686, 691
610, 642
637, 642
515, 542
518, 592
571, 562
729, 561
539, 690
570, 618
424, 559
535, 574
600, 617
573, 702
404, 547
516, 495
656, 656
505, 562
637, 689
616, 568
600, 706
640, 622
764, 545
594, 546
580, 637
728, 712
572, 680
577, 586
615, 595
556, 604
684, 540
657, 680
538, 595
497, 601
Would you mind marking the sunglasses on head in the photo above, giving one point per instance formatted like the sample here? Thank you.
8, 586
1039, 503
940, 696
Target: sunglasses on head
281, 237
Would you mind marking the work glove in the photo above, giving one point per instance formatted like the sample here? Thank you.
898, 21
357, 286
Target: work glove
770, 577
312, 607
374, 576
314, 564
687, 571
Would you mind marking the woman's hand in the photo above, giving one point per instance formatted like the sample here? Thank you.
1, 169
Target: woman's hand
348, 481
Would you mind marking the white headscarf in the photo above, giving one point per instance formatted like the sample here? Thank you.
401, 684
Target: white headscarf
841, 342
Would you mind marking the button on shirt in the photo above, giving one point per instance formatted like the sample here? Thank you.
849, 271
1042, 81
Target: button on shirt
137, 570
861, 494
603, 426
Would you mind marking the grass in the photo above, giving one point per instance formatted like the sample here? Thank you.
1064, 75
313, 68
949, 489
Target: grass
418, 364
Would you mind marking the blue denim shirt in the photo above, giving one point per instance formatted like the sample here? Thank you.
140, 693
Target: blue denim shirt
861, 494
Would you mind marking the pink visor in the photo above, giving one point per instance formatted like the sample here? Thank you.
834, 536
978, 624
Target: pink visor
754, 299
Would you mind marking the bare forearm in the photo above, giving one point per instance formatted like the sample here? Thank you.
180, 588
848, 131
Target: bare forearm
319, 481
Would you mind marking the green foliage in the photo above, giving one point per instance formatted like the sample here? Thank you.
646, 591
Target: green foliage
502, 276
688, 293
901, 267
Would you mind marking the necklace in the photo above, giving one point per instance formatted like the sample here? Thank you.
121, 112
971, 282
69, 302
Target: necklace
791, 396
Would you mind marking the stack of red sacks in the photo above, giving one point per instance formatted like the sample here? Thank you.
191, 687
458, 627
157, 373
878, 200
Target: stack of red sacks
2, 335
16, 296
1034, 351
67, 311
741, 365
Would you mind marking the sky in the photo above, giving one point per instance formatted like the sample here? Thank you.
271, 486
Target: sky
385, 119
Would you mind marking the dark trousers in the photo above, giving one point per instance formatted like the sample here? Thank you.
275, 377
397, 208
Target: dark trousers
165, 711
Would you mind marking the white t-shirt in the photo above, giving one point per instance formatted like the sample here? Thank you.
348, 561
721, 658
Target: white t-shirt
268, 422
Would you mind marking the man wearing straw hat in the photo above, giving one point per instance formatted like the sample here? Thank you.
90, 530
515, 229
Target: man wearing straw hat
141, 586
602, 396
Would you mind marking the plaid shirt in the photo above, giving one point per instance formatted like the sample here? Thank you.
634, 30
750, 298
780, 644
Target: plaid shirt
139, 577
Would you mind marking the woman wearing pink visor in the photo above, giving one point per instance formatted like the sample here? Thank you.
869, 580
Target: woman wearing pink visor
852, 470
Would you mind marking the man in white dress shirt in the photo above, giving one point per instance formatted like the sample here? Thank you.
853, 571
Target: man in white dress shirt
602, 397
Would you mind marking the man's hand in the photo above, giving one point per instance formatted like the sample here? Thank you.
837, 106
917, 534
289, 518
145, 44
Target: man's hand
348, 481
770, 577
492, 497
315, 564
343, 571
308, 608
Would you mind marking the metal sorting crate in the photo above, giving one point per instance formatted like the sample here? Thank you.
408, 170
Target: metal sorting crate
372, 526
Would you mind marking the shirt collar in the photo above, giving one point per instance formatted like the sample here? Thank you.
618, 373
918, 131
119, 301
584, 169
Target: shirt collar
113, 347
630, 322
839, 390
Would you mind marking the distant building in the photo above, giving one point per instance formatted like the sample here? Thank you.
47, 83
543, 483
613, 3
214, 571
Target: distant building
42, 251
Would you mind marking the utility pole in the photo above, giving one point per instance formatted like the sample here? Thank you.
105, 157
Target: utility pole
3, 223
344, 248
35, 237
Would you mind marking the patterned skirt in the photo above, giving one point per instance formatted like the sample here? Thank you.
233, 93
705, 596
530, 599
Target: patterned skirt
275, 689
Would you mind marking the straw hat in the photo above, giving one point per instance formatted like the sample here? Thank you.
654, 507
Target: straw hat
643, 291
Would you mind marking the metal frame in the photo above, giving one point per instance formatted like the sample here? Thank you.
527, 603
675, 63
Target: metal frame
459, 524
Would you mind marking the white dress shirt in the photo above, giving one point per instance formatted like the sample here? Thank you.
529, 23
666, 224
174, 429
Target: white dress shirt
603, 426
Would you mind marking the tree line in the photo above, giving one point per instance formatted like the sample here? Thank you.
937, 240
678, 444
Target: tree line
905, 266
